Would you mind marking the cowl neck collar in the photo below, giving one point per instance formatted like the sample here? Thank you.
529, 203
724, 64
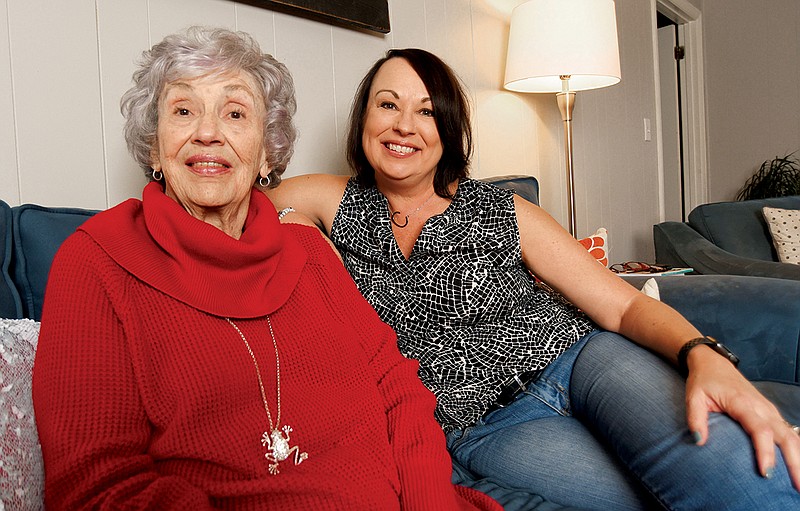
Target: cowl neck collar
158, 242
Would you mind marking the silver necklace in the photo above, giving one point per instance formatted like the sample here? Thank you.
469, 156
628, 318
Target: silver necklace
276, 439
393, 214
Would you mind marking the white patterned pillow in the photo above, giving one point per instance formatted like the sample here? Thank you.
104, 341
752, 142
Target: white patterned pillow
784, 226
650, 288
21, 471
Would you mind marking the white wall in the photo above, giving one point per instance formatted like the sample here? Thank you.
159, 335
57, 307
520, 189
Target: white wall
752, 55
64, 66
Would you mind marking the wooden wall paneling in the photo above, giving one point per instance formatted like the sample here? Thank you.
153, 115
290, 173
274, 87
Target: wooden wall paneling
123, 28
354, 53
436, 35
259, 23
56, 84
458, 30
9, 189
489, 51
305, 47
168, 16
499, 115
408, 23
623, 167
642, 164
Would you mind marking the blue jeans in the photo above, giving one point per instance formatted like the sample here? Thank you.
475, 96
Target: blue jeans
604, 427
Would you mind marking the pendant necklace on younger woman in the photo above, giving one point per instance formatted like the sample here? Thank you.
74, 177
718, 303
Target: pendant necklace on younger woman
276, 439
393, 214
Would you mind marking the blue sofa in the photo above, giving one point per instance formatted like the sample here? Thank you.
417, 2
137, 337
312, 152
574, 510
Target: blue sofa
759, 318
725, 238
32, 235
741, 311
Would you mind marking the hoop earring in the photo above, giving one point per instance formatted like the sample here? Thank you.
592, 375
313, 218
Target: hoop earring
261, 182
158, 175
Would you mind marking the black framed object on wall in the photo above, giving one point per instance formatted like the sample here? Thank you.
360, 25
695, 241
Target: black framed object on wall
367, 14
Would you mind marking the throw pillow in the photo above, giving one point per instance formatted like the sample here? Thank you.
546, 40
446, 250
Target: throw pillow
21, 470
784, 226
650, 288
597, 245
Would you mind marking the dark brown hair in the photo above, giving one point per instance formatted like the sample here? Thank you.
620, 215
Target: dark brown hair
450, 111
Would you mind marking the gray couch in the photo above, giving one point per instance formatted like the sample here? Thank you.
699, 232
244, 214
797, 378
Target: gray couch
727, 238
759, 318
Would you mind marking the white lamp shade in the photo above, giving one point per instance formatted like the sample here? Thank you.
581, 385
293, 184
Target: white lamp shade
551, 38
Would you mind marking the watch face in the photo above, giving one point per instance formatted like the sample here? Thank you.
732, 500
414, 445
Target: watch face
724, 351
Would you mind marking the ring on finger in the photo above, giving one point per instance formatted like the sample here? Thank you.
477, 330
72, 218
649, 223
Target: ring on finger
795, 429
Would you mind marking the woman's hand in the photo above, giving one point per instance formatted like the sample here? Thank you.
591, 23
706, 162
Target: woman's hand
293, 217
715, 385
315, 196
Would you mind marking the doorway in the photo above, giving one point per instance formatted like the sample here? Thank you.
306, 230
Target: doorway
670, 57
680, 109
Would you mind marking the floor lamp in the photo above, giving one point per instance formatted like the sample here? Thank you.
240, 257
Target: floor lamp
563, 46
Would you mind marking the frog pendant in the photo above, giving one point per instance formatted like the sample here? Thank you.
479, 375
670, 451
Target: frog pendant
278, 449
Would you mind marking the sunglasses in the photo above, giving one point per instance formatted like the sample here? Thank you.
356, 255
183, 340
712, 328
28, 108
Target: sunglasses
636, 267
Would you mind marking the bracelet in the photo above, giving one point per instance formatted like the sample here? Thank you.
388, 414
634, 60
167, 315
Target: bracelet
712, 343
285, 211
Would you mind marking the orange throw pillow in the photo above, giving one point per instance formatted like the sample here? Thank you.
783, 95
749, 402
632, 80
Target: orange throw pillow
597, 245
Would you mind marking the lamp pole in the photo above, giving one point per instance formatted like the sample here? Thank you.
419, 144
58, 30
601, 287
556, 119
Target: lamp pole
566, 102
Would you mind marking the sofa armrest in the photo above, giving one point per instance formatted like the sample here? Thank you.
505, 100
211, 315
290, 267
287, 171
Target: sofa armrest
677, 244
38, 233
757, 317
10, 301
526, 187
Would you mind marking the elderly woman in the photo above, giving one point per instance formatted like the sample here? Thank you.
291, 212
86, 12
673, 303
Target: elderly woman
179, 366
534, 392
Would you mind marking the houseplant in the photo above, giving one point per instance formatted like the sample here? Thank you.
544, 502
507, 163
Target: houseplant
778, 177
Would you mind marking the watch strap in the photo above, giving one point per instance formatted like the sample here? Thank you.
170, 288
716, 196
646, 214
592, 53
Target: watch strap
712, 343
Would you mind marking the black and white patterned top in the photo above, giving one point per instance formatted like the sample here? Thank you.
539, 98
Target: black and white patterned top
463, 304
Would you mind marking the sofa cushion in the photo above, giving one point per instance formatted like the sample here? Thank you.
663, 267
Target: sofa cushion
526, 187
784, 226
739, 227
10, 302
38, 232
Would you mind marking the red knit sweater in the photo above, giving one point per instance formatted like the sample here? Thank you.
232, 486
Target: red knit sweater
146, 397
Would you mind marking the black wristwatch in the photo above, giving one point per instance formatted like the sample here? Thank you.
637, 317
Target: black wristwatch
711, 343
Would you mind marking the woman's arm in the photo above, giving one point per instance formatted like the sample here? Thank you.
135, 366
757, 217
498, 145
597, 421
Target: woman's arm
92, 425
316, 196
558, 259
417, 441
713, 385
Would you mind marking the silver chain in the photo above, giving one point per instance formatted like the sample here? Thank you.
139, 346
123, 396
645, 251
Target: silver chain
393, 214
277, 423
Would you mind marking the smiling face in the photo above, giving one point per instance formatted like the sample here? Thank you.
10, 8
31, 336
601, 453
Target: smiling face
400, 137
210, 144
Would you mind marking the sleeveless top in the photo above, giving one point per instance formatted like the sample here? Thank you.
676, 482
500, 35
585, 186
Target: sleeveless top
464, 304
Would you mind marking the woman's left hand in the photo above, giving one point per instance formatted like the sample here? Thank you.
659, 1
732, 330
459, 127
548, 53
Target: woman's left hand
715, 385
293, 217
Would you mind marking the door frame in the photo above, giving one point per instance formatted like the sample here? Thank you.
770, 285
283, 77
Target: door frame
695, 138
